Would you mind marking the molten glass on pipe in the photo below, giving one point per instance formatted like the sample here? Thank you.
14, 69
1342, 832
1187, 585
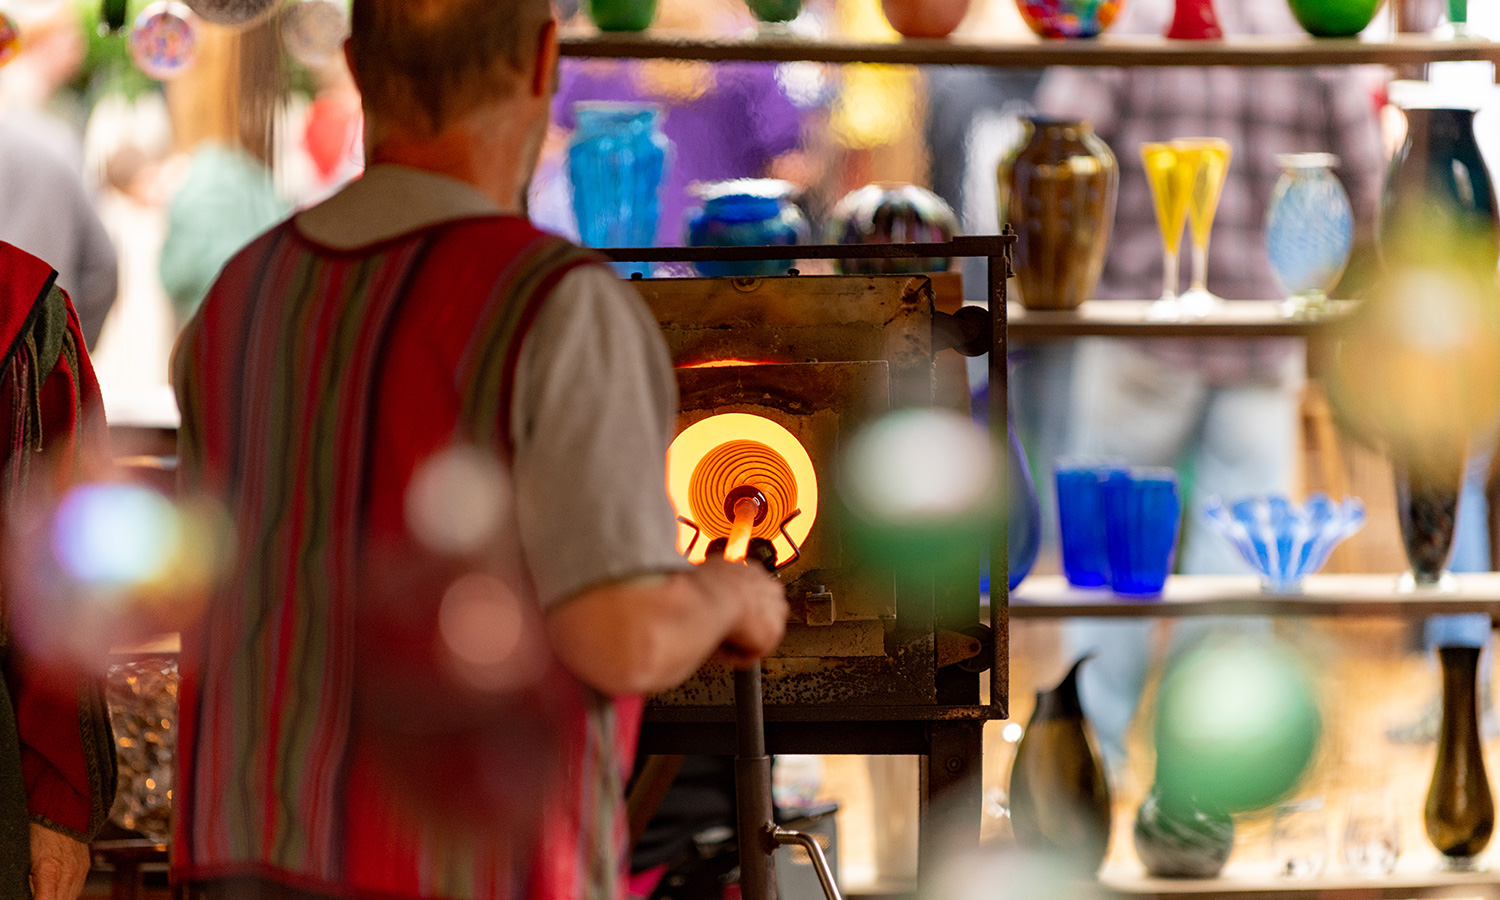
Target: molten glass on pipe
745, 511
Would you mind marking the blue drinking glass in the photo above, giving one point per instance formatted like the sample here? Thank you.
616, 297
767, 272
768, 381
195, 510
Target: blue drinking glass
617, 160
1142, 512
1080, 522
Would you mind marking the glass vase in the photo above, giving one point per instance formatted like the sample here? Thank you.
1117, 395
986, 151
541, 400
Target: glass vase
1460, 810
1427, 493
621, 15
616, 161
1195, 20
1058, 191
1438, 197
1309, 231
1024, 516
746, 212
1059, 797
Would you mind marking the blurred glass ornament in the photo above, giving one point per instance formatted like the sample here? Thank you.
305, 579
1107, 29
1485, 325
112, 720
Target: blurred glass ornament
164, 40
923, 491
233, 13
10, 38
1309, 231
775, 12
314, 31
1284, 541
746, 212
1059, 797
1460, 811
1299, 838
617, 159
1195, 20
891, 214
1069, 18
1236, 725
1372, 835
924, 18
621, 15
1181, 840
1334, 18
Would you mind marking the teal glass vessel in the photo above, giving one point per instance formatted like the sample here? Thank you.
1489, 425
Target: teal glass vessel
746, 212
621, 15
616, 162
1334, 18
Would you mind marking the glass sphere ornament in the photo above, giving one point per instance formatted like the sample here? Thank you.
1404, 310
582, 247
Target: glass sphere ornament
164, 40
314, 31
891, 214
233, 13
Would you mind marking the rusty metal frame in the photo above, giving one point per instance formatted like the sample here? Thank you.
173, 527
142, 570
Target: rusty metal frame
996, 250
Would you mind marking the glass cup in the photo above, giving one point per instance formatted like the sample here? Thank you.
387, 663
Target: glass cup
1207, 159
1372, 835
1169, 183
1080, 522
1142, 514
1299, 838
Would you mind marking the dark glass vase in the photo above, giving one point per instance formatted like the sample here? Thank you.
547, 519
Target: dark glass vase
1058, 191
1427, 508
1177, 841
1460, 811
1438, 180
1059, 797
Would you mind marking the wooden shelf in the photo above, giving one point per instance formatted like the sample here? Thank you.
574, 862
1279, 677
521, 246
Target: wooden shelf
1127, 318
1107, 50
1051, 597
1415, 876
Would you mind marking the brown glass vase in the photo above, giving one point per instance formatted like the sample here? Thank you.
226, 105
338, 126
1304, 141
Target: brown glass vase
1058, 191
1427, 489
1460, 811
1059, 798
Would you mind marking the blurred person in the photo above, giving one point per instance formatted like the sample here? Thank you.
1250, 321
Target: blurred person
1226, 412
57, 752
48, 213
336, 360
53, 49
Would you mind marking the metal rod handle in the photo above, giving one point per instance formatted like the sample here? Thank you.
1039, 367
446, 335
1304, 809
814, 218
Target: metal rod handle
784, 836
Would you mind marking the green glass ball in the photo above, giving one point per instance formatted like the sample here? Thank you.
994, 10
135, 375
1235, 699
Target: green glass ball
1334, 18
1237, 722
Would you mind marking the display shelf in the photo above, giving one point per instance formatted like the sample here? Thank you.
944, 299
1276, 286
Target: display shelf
1416, 876
1127, 318
1051, 597
1107, 50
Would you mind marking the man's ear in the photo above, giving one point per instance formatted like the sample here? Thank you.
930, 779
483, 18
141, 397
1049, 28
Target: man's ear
546, 60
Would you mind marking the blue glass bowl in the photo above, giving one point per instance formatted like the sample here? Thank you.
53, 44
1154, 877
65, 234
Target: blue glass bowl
1282, 541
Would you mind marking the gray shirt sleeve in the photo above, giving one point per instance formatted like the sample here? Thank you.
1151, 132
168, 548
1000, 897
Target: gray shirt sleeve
594, 410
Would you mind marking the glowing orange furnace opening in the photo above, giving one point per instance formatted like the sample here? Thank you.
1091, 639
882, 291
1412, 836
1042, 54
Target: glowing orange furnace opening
738, 476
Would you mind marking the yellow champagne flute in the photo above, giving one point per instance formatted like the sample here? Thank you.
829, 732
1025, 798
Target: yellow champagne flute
1207, 162
1169, 194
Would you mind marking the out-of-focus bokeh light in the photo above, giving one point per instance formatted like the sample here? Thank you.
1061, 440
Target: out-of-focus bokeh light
485, 629
923, 488
456, 500
1237, 722
111, 564
115, 535
1417, 365
1012, 732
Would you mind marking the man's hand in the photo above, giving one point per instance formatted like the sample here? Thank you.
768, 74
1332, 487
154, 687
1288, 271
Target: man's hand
760, 601
59, 865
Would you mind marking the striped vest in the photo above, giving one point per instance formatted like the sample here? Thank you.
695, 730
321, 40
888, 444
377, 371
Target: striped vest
313, 383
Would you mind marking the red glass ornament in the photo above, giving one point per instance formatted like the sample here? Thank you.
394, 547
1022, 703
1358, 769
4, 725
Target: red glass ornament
1194, 20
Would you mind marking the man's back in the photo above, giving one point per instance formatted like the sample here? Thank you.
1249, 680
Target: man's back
315, 382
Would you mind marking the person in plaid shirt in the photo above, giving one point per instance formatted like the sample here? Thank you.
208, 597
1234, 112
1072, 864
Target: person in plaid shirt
1230, 409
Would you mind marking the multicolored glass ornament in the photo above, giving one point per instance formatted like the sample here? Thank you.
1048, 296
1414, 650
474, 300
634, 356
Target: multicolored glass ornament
164, 40
10, 38
313, 31
233, 13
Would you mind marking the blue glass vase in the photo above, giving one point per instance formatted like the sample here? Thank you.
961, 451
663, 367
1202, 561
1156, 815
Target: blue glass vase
1309, 231
746, 212
616, 162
